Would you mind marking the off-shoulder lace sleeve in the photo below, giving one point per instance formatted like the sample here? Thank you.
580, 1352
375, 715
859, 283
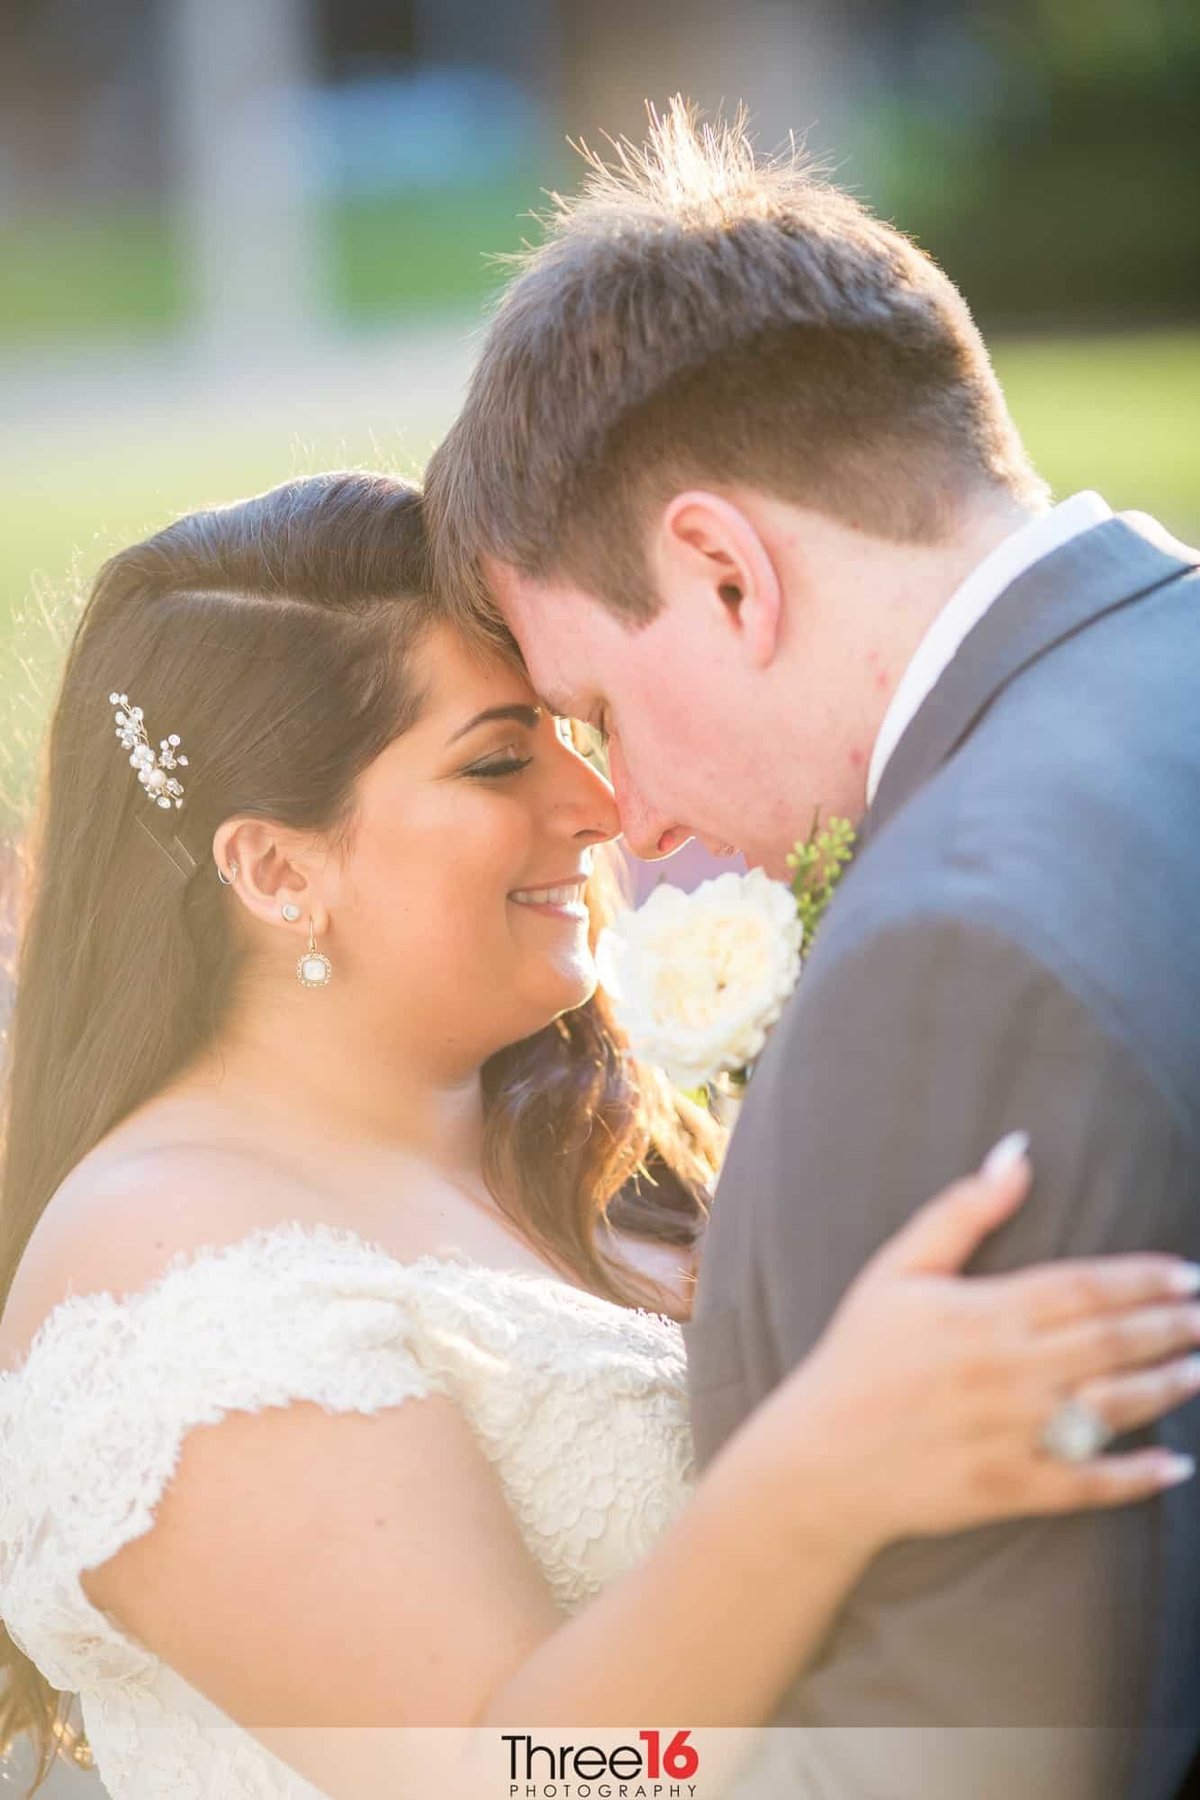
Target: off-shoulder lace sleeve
92, 1422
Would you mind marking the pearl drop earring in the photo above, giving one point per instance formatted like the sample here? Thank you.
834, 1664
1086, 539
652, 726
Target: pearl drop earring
314, 968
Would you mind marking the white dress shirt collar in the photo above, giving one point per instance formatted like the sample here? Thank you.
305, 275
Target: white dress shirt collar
1016, 553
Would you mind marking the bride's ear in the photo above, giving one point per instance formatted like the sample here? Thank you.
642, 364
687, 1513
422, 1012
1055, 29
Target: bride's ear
273, 867
712, 555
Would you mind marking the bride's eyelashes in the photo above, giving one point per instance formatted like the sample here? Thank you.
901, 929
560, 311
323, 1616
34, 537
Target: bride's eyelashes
494, 771
566, 731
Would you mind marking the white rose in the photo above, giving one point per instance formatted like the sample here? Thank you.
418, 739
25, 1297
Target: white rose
696, 980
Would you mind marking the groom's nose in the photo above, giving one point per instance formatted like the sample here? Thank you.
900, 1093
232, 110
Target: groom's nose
648, 833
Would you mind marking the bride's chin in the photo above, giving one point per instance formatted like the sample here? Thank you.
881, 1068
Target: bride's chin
570, 996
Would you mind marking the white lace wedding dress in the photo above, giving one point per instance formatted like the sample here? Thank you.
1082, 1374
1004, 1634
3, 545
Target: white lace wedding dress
580, 1405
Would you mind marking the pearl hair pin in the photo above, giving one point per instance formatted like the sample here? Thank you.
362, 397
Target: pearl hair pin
162, 788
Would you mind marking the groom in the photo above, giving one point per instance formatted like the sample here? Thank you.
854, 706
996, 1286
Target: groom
735, 472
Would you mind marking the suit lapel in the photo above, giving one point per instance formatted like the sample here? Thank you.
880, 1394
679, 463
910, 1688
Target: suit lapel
1093, 574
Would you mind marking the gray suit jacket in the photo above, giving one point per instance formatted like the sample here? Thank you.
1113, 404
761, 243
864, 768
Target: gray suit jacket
1015, 946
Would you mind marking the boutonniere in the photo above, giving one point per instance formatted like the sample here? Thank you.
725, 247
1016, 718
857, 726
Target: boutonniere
697, 980
817, 866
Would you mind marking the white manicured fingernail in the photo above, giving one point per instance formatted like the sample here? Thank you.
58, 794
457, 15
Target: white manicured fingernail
1006, 1154
1186, 1279
1176, 1469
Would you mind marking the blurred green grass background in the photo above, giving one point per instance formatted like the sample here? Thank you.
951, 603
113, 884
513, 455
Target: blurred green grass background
118, 272
1111, 412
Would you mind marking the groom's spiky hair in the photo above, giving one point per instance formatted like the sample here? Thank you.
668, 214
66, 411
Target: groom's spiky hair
701, 314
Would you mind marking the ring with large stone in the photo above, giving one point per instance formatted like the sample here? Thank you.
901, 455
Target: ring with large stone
1076, 1433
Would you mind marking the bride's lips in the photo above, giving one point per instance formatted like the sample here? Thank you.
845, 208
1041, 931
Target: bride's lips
557, 900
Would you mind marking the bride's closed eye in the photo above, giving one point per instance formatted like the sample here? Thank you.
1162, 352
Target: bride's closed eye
505, 764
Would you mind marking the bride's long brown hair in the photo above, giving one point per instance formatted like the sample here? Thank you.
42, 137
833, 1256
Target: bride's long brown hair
276, 634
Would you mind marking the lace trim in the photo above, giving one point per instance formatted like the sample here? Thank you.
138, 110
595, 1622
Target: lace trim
340, 1238
295, 1311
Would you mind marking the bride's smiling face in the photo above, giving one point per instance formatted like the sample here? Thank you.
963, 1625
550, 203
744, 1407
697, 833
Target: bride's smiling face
461, 899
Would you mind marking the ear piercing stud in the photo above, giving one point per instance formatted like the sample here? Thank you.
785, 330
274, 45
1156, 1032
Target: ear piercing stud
290, 911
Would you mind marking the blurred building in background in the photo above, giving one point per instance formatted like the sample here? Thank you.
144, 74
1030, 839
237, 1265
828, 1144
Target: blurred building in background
216, 163
245, 238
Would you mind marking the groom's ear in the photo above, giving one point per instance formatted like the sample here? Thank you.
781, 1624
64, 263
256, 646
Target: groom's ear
712, 555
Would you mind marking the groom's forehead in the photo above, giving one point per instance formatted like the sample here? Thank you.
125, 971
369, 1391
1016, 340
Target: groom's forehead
545, 605
557, 631
579, 653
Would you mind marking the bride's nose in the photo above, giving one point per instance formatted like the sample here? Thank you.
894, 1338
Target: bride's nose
584, 805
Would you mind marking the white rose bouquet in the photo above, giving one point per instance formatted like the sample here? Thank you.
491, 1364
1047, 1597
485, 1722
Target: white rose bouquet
697, 980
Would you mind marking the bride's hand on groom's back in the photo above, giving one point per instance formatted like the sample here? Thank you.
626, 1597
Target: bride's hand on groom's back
934, 1388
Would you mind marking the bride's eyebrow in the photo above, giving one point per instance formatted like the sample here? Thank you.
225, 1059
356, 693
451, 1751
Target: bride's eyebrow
519, 715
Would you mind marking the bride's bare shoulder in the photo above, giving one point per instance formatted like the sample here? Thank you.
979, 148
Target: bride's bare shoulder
130, 1205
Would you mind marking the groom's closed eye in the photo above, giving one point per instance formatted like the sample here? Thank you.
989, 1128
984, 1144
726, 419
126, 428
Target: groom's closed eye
591, 742
588, 723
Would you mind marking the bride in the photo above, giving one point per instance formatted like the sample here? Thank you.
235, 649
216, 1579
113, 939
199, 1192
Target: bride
334, 1393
